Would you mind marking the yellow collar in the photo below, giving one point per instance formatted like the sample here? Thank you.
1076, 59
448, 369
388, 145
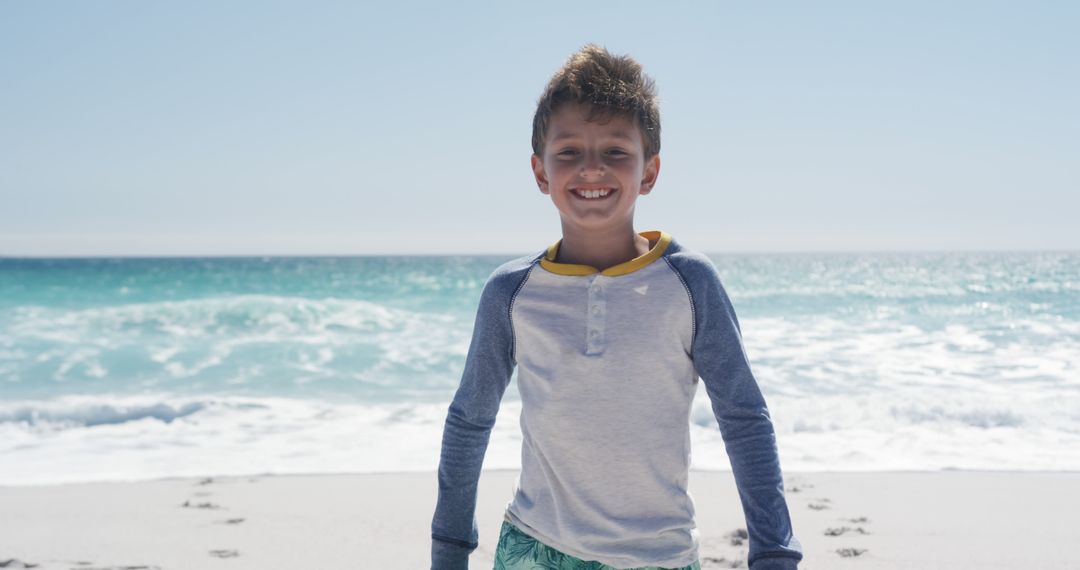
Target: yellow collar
662, 240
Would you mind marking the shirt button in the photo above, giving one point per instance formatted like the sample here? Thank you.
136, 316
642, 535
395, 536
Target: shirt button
594, 333
596, 309
595, 288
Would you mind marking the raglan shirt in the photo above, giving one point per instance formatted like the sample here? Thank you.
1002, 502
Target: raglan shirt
608, 363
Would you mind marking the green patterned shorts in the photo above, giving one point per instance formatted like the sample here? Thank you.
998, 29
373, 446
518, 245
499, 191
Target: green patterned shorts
519, 551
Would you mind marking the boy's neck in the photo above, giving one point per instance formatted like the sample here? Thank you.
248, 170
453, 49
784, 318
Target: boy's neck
601, 249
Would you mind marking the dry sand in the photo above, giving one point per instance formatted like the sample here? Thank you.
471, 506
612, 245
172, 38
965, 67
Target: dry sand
893, 520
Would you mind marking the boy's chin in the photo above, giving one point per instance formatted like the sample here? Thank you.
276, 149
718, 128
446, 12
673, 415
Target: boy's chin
593, 223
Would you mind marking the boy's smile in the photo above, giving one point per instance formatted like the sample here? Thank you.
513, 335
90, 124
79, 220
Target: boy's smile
594, 172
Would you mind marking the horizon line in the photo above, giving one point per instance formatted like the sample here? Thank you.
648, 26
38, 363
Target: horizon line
519, 254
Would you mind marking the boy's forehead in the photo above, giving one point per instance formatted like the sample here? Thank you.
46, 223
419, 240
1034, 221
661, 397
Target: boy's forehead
627, 135
569, 121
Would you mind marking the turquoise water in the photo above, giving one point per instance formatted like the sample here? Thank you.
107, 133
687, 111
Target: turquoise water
372, 329
142, 367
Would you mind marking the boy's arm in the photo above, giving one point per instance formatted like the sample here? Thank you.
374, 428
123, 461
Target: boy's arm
488, 367
745, 424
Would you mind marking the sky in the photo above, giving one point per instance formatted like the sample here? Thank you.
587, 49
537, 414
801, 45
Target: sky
347, 128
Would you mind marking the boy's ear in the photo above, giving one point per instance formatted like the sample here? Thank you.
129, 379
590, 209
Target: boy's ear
538, 172
652, 170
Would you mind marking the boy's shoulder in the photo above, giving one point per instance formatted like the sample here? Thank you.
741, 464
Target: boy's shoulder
693, 266
515, 266
507, 278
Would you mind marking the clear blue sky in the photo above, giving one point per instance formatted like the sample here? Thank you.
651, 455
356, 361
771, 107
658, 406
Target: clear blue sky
146, 128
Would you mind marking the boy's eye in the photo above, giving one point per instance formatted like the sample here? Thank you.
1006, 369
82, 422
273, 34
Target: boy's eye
569, 152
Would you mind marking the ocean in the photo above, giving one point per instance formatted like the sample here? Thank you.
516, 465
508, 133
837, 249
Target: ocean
138, 368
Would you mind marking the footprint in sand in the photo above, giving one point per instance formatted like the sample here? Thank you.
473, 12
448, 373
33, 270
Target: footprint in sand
737, 537
799, 486
16, 563
140, 567
844, 529
187, 504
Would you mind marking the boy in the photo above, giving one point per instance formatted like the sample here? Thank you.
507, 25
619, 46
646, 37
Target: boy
608, 362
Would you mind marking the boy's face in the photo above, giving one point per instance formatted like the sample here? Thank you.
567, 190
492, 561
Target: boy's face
580, 156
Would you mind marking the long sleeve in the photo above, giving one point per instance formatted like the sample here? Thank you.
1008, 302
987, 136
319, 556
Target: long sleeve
469, 420
745, 424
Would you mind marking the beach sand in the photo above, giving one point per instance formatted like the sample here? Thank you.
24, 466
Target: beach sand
882, 520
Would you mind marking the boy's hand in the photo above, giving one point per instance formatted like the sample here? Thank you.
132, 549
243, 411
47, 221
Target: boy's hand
446, 556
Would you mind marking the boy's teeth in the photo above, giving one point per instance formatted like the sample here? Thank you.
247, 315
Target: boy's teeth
593, 193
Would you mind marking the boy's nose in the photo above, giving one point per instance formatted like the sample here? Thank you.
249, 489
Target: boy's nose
590, 169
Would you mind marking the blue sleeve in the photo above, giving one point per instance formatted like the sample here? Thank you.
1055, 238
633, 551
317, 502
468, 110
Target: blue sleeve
745, 424
470, 418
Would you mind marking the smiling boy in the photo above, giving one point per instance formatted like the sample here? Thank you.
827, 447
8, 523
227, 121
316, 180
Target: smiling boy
610, 330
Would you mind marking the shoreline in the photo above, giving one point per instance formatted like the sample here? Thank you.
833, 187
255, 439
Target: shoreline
15, 486
898, 520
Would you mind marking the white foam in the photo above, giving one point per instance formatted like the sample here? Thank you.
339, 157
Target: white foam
133, 438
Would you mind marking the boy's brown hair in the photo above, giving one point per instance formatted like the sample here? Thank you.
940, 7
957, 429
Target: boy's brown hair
608, 85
